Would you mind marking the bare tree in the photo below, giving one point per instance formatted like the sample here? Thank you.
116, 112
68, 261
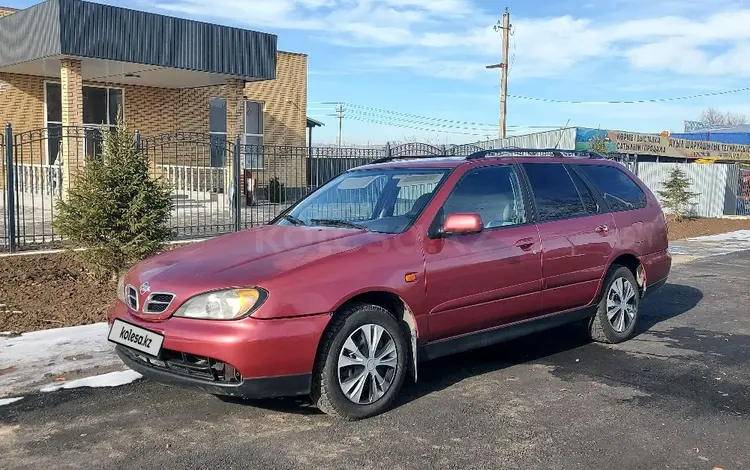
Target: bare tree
715, 118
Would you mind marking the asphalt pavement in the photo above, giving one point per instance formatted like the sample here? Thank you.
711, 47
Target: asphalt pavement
675, 397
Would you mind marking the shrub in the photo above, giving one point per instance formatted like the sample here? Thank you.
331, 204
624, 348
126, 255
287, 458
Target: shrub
676, 195
114, 209
276, 190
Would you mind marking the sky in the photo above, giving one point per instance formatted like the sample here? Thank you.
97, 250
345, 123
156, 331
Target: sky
416, 69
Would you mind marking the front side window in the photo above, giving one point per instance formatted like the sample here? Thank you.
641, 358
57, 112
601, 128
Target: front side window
555, 195
492, 192
383, 200
618, 190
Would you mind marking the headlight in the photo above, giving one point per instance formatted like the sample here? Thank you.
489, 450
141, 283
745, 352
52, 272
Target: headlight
121, 288
227, 304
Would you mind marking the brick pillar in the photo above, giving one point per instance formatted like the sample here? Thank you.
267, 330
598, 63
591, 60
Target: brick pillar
71, 84
235, 97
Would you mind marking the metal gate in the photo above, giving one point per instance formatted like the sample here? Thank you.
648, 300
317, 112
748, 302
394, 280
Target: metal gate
194, 166
743, 194
4, 176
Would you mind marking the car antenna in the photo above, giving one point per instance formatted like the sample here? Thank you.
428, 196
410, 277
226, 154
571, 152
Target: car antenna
561, 134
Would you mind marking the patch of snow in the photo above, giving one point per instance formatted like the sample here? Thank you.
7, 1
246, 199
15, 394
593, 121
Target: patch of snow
29, 357
678, 250
739, 235
8, 401
113, 379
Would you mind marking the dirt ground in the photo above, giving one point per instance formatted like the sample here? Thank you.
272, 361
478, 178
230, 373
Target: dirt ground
702, 227
39, 292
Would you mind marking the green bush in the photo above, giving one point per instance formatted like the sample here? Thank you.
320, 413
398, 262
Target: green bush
114, 209
276, 190
676, 195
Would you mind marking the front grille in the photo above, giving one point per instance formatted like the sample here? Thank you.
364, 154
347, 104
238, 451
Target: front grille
131, 297
158, 302
189, 365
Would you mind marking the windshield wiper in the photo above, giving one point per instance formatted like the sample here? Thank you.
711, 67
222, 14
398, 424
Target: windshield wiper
293, 219
338, 223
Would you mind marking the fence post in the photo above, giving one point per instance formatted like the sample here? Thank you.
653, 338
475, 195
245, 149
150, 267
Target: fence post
237, 202
10, 188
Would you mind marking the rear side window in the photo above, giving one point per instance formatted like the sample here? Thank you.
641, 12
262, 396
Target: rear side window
619, 191
555, 194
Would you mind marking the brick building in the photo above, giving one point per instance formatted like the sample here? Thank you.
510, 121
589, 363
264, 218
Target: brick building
68, 66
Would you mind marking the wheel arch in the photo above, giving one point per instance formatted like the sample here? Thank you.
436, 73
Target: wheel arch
400, 311
633, 263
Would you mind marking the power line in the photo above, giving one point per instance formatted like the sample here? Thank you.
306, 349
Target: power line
391, 124
416, 116
653, 100
427, 125
443, 131
438, 125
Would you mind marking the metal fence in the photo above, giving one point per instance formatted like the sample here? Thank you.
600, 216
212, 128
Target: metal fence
717, 185
217, 186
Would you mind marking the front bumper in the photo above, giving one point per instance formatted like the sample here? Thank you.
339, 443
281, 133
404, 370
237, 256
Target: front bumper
265, 387
272, 357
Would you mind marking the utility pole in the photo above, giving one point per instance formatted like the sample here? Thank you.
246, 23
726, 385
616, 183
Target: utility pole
503, 26
340, 114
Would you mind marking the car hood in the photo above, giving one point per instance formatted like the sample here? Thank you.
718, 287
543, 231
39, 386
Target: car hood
244, 258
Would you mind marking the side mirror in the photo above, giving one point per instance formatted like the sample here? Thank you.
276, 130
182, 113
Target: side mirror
462, 224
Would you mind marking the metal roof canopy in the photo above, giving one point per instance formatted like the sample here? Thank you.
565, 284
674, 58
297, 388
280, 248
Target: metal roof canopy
119, 45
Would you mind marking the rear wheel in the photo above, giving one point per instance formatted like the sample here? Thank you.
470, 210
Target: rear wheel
362, 363
617, 313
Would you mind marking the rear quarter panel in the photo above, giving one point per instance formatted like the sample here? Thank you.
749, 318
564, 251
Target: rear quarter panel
643, 233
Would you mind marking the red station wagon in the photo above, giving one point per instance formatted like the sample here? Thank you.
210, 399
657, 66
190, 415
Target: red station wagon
391, 264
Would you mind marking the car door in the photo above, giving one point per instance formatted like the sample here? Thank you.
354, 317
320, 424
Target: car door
482, 280
577, 234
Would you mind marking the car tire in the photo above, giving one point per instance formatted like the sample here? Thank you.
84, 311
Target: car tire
371, 378
615, 319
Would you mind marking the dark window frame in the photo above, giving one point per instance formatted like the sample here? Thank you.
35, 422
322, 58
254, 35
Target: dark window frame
520, 176
599, 195
600, 203
91, 142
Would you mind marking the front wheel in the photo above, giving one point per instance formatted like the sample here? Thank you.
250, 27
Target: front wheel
617, 313
362, 363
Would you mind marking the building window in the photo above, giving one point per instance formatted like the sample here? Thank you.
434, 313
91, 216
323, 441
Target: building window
100, 108
217, 128
253, 135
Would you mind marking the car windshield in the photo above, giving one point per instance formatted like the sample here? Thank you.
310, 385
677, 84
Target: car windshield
379, 200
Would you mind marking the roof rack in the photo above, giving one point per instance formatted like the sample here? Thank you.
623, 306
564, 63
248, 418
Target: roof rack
504, 152
512, 151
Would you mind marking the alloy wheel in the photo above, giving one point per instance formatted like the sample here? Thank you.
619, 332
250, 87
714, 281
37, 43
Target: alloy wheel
367, 364
621, 304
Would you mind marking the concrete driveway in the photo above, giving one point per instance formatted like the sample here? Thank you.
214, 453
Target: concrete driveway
675, 397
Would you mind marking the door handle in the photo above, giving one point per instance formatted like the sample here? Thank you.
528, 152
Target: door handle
525, 243
603, 230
